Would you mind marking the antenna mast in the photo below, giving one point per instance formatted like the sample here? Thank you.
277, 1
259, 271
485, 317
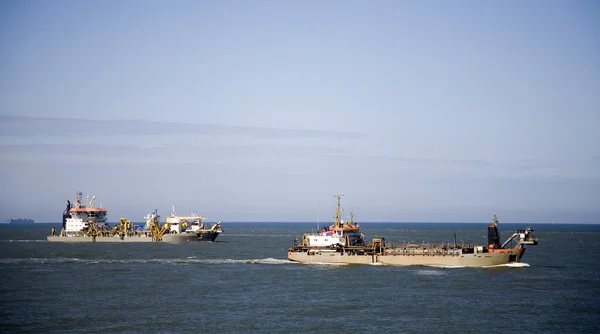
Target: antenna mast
338, 216
318, 219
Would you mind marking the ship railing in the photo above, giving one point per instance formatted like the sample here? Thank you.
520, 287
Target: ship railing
423, 251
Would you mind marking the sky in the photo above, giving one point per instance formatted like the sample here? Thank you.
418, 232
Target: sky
261, 111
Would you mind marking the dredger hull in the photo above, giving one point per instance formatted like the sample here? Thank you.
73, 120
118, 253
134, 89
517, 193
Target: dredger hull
184, 237
460, 260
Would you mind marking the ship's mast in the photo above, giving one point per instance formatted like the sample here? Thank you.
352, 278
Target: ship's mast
78, 196
338, 216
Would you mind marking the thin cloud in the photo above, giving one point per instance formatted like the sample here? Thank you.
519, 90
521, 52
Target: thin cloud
19, 126
190, 153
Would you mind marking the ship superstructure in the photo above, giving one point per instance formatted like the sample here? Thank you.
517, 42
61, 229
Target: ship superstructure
343, 243
81, 216
192, 225
343, 233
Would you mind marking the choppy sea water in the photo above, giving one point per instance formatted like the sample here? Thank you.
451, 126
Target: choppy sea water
243, 283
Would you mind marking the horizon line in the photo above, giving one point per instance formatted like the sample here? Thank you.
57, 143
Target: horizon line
371, 222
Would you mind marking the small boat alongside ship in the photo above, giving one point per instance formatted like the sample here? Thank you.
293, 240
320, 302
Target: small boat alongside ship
87, 223
344, 243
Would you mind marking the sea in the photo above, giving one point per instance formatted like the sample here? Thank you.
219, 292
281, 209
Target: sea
243, 283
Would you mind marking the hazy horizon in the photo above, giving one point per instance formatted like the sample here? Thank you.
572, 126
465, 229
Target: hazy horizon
323, 224
261, 111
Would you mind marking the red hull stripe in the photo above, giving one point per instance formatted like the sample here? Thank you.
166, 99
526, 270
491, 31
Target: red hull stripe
88, 210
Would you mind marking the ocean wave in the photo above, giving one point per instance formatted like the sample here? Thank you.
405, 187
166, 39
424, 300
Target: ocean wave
430, 272
188, 260
268, 260
11, 241
258, 235
328, 264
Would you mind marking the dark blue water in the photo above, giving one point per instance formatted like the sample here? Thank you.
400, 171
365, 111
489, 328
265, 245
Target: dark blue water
243, 284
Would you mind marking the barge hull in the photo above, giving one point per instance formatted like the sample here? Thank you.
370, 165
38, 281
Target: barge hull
462, 260
166, 238
208, 236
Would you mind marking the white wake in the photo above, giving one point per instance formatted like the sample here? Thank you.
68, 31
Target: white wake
188, 260
510, 265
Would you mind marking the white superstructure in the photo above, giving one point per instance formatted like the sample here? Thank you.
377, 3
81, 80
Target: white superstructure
79, 217
189, 224
340, 233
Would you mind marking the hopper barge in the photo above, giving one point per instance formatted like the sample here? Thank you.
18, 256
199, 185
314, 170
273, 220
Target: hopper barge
344, 243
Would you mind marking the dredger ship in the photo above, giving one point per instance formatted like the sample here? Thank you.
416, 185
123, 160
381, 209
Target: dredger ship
87, 223
344, 243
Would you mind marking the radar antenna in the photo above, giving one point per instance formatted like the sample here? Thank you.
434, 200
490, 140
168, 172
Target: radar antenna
78, 196
352, 217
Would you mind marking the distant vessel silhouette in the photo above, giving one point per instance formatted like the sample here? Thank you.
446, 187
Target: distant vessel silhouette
15, 220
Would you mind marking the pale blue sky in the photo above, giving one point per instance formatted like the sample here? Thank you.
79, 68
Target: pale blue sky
262, 110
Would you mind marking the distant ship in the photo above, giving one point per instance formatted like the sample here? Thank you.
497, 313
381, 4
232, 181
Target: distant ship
343, 242
15, 220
